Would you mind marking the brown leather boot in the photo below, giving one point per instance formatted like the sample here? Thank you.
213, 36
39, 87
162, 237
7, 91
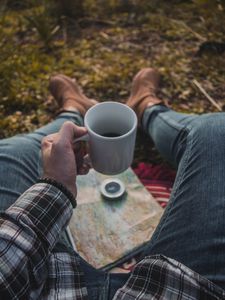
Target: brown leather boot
69, 95
143, 91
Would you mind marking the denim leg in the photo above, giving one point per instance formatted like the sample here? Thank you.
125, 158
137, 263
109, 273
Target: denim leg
166, 127
20, 158
192, 228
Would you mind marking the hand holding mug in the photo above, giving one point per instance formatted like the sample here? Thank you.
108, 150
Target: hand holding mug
61, 161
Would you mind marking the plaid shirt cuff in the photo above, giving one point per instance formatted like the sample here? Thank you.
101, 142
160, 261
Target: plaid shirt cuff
43, 208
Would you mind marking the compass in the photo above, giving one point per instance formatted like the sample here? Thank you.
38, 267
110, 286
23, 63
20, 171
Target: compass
112, 188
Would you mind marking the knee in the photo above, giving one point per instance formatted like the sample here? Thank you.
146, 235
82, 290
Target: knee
209, 131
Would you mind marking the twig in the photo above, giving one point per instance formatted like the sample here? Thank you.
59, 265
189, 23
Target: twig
200, 37
213, 102
96, 22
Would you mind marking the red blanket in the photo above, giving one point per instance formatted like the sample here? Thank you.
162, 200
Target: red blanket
158, 180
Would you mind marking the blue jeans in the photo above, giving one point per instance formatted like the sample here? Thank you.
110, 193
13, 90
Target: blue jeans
192, 229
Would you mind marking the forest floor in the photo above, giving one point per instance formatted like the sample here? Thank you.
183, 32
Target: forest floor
104, 52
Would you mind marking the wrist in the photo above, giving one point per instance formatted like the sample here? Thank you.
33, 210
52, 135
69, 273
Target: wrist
69, 184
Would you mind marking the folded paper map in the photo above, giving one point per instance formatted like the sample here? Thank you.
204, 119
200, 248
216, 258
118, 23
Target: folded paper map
104, 231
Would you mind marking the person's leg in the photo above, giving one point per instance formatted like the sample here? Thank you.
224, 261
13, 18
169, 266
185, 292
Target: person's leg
20, 155
192, 227
19, 169
167, 128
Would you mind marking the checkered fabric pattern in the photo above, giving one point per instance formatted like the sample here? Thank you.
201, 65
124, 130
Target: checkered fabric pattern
159, 277
31, 268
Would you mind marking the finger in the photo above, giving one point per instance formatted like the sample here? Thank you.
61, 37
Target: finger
47, 141
50, 138
85, 166
80, 148
83, 170
87, 161
69, 130
79, 154
79, 162
83, 162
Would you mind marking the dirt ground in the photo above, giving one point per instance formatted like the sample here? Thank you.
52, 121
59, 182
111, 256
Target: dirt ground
184, 40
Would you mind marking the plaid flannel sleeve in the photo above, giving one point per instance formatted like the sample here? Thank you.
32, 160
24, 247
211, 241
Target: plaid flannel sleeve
29, 229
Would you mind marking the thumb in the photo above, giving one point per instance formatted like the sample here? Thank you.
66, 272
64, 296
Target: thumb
69, 131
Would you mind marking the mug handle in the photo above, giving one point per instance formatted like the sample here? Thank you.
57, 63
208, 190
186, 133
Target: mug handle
84, 138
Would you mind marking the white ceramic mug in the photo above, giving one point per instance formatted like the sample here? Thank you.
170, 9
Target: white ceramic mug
111, 130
